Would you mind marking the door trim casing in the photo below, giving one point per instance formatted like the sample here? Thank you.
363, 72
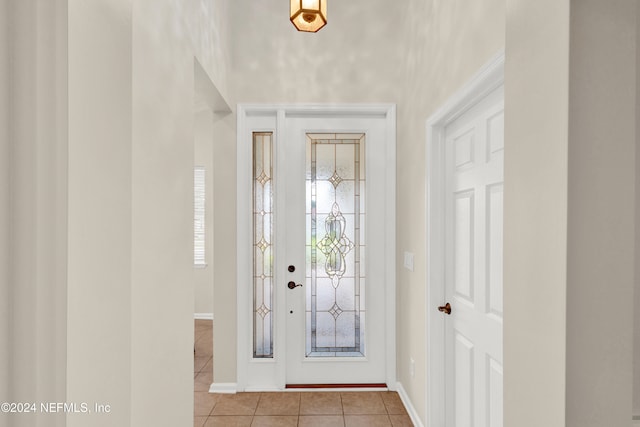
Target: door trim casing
276, 367
486, 80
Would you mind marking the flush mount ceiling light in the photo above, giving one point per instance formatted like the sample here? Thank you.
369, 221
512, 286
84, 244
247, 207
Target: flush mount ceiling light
308, 15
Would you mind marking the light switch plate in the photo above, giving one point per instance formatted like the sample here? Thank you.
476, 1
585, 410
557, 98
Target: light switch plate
408, 261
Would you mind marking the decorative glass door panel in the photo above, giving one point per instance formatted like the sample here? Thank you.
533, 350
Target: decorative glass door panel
262, 245
335, 243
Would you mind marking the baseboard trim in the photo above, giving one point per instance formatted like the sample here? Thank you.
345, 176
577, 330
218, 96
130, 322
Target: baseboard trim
203, 316
262, 389
417, 422
224, 388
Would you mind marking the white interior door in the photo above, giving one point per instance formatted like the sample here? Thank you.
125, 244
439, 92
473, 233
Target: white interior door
318, 306
474, 147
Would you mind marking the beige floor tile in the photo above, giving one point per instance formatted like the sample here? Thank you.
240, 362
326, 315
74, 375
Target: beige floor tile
203, 403
401, 421
320, 403
209, 366
201, 332
199, 421
275, 421
200, 362
279, 404
369, 403
393, 403
203, 323
203, 381
321, 421
237, 404
206, 327
367, 421
204, 346
229, 421
204, 334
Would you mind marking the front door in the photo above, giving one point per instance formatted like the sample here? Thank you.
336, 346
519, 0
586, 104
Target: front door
322, 220
474, 148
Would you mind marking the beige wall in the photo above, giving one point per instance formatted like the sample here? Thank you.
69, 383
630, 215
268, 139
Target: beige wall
142, 172
413, 53
101, 178
445, 44
224, 271
162, 215
5, 225
99, 284
130, 157
38, 205
568, 250
162, 210
636, 352
203, 156
535, 212
273, 62
601, 212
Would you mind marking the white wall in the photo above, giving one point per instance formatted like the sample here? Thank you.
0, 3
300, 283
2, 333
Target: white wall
203, 156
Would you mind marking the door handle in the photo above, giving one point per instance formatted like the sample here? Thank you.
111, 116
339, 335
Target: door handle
292, 285
445, 308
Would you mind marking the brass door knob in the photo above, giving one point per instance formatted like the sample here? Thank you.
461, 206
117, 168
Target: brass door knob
445, 308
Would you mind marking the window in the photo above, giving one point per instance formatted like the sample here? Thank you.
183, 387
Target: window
198, 216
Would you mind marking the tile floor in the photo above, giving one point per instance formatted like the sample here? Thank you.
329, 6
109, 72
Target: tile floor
304, 409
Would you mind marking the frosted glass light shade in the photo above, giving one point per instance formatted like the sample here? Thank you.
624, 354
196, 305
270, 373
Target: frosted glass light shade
308, 15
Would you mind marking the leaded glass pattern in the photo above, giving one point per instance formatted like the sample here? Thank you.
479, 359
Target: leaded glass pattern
335, 245
262, 245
